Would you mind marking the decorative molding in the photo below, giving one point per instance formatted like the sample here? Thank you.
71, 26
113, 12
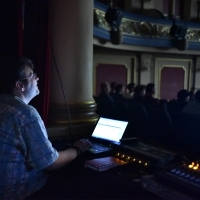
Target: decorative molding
141, 28
83, 120
145, 31
80, 113
176, 63
198, 65
146, 62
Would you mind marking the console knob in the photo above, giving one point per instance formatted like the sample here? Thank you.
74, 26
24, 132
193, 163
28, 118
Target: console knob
182, 173
144, 185
187, 175
173, 170
197, 180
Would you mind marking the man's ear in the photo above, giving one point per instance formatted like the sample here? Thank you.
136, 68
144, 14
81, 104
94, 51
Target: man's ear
19, 86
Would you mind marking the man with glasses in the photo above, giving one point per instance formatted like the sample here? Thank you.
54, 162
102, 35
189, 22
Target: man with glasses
26, 154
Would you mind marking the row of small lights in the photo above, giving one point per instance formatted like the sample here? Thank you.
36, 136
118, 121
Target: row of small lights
194, 166
131, 159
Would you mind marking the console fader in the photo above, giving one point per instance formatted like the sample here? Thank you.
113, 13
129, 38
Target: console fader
170, 178
184, 178
178, 182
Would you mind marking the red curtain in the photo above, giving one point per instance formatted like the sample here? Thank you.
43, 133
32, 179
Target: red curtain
9, 35
25, 32
9, 26
20, 8
37, 47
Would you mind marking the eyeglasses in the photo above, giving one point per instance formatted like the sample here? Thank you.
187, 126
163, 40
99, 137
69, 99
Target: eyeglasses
33, 75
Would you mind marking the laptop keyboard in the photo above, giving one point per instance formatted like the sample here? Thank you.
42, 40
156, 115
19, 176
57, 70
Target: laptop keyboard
99, 147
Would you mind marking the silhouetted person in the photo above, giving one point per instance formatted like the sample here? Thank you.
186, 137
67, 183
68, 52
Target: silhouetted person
192, 94
179, 104
138, 97
130, 87
193, 107
149, 96
119, 90
104, 94
112, 88
105, 106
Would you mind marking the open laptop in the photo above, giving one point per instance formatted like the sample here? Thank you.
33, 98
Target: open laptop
106, 132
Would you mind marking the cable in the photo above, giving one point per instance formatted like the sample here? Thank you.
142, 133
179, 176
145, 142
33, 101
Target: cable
64, 96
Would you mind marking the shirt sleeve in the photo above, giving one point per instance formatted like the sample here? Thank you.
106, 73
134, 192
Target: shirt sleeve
40, 153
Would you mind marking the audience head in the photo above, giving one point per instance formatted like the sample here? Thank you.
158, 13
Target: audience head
192, 89
197, 95
139, 90
112, 86
192, 92
119, 88
150, 89
105, 87
131, 87
183, 95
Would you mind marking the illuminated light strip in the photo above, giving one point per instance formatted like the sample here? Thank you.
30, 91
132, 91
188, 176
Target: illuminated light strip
131, 159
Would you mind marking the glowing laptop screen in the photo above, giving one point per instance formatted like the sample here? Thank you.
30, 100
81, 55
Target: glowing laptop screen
109, 129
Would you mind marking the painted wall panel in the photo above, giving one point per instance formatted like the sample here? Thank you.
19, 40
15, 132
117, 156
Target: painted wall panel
171, 81
109, 73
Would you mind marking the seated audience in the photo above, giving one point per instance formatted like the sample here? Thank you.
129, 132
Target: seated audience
105, 103
104, 95
193, 107
138, 97
149, 95
112, 88
119, 90
179, 104
192, 93
130, 88
163, 103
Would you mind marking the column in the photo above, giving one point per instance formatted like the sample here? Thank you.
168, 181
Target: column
172, 8
128, 7
72, 44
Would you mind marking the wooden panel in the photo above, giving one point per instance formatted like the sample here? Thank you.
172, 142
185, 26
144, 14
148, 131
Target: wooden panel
172, 80
110, 73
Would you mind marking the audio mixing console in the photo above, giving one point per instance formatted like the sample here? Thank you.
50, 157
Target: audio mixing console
178, 182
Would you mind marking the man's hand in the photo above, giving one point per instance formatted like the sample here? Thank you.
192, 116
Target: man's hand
69, 154
83, 144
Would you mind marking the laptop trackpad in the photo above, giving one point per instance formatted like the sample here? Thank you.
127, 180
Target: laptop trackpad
99, 148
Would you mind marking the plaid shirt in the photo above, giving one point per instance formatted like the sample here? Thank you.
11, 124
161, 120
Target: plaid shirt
24, 149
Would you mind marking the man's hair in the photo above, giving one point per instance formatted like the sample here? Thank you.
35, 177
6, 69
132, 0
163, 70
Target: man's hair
149, 87
12, 71
197, 95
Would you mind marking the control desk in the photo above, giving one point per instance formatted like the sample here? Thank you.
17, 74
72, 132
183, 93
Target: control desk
150, 173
